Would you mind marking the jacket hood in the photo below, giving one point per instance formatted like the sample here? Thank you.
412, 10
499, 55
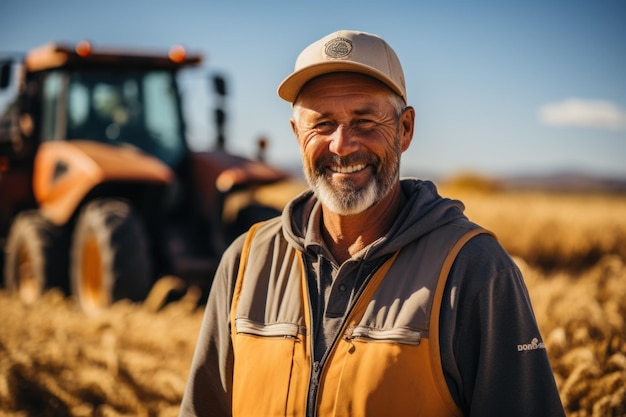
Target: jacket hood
424, 211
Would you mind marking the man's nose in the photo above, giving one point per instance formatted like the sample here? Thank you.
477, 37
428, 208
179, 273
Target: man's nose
342, 141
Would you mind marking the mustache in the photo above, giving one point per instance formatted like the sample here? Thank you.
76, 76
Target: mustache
344, 161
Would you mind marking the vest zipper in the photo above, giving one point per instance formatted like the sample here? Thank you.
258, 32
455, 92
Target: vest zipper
313, 387
318, 366
404, 336
311, 395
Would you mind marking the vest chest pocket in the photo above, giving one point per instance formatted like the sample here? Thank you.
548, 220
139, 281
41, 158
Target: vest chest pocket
267, 369
377, 372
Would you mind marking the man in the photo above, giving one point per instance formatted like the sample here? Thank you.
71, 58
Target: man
369, 296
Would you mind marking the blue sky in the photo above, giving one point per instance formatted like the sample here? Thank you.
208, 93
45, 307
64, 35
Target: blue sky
499, 87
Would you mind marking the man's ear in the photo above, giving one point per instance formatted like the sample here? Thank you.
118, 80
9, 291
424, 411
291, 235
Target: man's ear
407, 126
294, 127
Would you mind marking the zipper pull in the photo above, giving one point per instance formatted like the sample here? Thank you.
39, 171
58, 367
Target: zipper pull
347, 335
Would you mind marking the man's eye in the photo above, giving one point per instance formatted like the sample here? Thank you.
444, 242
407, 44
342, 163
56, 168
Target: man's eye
324, 126
365, 123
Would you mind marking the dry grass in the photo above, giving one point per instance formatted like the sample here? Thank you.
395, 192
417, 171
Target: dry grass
131, 360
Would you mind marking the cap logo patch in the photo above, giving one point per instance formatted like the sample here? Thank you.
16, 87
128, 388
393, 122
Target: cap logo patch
338, 48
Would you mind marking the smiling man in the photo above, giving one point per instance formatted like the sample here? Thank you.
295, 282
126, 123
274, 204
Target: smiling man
370, 295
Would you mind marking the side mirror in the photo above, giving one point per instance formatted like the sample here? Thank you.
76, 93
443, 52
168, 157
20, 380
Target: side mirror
219, 84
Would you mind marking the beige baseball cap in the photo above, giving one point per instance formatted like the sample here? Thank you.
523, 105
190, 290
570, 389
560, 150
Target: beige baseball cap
345, 51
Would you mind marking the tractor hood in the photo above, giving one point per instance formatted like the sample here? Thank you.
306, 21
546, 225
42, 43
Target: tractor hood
218, 173
226, 172
65, 171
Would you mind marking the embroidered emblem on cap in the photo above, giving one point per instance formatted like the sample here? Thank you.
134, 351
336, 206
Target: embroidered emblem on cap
338, 48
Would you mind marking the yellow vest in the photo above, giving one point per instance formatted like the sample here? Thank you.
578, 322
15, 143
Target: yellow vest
387, 360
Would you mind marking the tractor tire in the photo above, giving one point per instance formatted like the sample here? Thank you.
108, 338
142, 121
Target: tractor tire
109, 258
36, 256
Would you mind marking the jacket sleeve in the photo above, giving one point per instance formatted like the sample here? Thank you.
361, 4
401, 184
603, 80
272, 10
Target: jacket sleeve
493, 355
209, 385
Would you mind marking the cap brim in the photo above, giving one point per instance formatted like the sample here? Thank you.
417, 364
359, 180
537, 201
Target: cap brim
290, 87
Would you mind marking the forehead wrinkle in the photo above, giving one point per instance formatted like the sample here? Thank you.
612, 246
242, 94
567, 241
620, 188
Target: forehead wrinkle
364, 110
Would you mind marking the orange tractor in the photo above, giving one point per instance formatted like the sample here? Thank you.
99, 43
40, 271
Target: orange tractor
100, 193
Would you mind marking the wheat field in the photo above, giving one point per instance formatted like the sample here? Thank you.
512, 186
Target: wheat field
133, 359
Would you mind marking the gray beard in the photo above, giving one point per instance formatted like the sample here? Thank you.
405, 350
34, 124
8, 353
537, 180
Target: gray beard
347, 199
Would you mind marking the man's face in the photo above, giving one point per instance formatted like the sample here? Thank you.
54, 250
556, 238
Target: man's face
351, 136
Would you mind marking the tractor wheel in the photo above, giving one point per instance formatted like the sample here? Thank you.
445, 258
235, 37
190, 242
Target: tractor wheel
109, 256
35, 256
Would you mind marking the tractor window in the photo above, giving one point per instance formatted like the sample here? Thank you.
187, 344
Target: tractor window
133, 108
162, 117
8, 107
52, 87
78, 105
